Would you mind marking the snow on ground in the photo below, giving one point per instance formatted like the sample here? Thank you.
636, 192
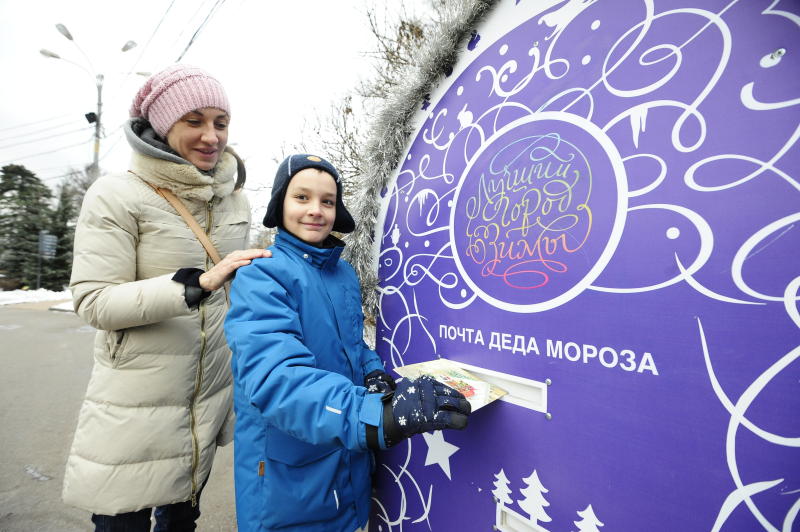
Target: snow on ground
66, 306
12, 297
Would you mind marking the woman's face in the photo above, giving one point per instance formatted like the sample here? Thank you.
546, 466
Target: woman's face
309, 207
200, 136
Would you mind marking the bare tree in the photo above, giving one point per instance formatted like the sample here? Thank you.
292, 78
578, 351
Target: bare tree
366, 132
79, 182
341, 132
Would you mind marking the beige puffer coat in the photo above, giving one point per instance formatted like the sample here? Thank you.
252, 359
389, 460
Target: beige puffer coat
159, 400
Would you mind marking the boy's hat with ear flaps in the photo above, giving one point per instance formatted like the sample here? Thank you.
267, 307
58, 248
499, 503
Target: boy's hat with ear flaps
288, 168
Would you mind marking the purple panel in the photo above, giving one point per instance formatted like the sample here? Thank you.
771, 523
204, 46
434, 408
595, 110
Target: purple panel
605, 196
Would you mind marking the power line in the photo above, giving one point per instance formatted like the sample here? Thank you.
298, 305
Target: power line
102, 157
200, 7
114, 145
35, 131
59, 167
42, 138
15, 159
147, 44
55, 177
200, 28
34, 122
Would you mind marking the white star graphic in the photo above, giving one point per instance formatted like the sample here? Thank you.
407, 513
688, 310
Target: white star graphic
439, 451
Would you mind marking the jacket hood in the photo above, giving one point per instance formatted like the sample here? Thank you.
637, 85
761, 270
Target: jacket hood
155, 162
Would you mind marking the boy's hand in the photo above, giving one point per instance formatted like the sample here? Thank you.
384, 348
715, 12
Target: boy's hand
423, 405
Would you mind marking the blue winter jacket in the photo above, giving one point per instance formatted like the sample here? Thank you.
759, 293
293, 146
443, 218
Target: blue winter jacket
295, 327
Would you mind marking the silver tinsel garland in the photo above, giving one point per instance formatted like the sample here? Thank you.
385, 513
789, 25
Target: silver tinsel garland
390, 133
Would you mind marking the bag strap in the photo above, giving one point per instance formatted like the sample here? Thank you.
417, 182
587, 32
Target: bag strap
190, 221
201, 235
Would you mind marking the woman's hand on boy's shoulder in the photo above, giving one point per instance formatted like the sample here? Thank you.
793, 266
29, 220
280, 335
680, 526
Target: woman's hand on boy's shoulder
223, 272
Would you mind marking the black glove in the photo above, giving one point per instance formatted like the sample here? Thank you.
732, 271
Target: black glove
379, 381
422, 405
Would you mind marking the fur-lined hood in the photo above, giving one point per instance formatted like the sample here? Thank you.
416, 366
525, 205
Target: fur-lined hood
157, 164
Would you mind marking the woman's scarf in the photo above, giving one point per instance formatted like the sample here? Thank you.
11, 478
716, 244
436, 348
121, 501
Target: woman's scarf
155, 162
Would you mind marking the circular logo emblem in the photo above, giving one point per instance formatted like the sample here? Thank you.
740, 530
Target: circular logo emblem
313, 158
538, 212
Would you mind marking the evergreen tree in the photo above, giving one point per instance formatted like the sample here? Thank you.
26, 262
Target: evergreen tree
501, 490
534, 502
588, 522
24, 211
57, 270
501, 493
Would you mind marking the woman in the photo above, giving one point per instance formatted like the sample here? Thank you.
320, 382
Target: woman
159, 398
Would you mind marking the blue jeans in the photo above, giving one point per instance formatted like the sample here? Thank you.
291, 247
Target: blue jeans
178, 517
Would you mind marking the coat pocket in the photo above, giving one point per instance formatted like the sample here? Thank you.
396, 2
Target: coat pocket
115, 344
305, 483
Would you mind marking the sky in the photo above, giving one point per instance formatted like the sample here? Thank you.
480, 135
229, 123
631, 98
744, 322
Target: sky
282, 64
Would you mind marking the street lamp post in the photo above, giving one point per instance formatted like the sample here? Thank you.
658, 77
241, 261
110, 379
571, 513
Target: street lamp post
94, 172
94, 117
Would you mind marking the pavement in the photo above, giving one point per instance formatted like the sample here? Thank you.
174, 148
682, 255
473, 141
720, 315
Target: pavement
46, 361
63, 305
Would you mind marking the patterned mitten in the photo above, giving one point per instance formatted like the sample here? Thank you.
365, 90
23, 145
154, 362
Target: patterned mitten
422, 405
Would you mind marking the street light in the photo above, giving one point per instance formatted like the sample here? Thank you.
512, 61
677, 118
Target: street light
64, 31
47, 53
96, 117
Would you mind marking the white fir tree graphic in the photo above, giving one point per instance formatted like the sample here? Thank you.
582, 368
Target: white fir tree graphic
501, 492
534, 502
589, 522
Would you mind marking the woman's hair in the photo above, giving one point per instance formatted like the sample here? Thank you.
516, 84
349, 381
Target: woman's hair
241, 171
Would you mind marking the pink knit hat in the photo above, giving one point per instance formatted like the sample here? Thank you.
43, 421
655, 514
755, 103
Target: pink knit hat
173, 92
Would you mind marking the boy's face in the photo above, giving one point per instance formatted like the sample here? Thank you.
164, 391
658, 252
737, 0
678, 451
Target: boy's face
309, 208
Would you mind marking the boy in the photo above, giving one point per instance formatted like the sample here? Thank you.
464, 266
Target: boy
307, 421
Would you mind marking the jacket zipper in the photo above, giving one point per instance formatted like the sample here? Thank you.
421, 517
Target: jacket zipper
338, 328
198, 382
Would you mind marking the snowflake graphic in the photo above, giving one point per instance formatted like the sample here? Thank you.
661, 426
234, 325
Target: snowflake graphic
402, 421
